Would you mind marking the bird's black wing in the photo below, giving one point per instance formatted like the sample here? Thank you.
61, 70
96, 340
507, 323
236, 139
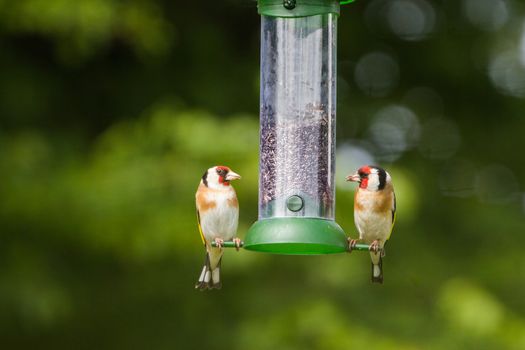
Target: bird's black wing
394, 210
200, 228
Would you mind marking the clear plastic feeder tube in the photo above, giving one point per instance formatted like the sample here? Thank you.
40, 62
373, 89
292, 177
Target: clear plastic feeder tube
297, 116
297, 139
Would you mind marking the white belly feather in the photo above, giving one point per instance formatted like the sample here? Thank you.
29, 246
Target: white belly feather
372, 225
222, 220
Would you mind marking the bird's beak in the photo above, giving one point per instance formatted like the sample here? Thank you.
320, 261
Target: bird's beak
232, 176
353, 178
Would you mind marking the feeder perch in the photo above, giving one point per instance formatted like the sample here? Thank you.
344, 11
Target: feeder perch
297, 129
231, 244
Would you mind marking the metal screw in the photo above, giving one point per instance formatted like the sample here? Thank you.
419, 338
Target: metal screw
295, 203
289, 4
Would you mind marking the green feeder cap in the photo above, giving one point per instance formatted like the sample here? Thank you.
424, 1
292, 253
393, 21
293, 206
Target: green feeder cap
296, 236
297, 8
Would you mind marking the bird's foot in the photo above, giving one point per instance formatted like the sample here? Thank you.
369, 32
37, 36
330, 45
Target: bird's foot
219, 242
351, 244
201, 285
237, 242
374, 246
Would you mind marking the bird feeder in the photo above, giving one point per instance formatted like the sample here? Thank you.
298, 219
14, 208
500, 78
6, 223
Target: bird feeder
297, 129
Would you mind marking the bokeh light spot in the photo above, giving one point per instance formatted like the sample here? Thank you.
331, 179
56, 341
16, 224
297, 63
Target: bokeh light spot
489, 15
376, 74
508, 74
411, 19
469, 308
394, 130
522, 45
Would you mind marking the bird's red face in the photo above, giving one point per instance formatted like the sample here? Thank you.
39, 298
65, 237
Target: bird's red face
219, 176
361, 176
222, 172
370, 177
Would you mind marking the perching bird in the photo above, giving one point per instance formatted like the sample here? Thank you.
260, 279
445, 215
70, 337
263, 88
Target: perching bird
374, 213
218, 216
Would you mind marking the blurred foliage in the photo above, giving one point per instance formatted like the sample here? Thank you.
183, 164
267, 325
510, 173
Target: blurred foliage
85, 27
110, 111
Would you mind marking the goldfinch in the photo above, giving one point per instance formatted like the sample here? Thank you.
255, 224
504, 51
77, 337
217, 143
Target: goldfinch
218, 217
374, 213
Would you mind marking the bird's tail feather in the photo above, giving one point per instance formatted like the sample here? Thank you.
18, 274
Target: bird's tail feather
209, 279
377, 271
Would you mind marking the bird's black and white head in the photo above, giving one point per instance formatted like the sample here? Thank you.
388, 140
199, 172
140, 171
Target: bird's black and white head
219, 176
371, 178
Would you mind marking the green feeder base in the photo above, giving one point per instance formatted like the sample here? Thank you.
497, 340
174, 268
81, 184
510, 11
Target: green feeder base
296, 236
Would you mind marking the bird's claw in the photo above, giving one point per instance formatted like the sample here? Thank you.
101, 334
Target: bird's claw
374, 246
219, 242
351, 244
237, 242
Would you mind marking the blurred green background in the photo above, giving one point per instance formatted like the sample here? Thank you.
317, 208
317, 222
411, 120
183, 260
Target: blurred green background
111, 110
